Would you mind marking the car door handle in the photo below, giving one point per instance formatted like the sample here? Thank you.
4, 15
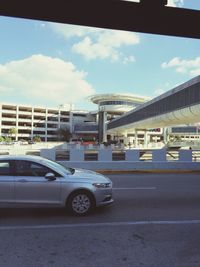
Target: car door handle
22, 180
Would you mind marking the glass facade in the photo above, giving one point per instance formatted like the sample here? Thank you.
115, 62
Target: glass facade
117, 102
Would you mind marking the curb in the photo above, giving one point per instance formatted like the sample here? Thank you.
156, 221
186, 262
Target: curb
146, 171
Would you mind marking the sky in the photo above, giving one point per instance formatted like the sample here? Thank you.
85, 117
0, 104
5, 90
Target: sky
48, 64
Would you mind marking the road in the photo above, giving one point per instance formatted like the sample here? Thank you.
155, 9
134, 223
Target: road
154, 221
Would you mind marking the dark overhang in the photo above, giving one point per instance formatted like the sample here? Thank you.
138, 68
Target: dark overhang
112, 14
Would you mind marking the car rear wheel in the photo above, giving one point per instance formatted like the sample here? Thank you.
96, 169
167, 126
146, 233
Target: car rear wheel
81, 203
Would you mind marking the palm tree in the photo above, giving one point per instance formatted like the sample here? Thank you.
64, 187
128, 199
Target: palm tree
37, 138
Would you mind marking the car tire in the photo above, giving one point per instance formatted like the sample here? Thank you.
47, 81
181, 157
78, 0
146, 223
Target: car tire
81, 203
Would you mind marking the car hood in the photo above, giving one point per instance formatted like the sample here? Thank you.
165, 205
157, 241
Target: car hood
92, 175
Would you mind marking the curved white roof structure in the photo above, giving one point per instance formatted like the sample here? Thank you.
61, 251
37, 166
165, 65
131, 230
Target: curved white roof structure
96, 99
118, 103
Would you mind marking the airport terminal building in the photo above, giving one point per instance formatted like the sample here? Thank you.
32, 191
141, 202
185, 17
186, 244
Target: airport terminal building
112, 109
31, 121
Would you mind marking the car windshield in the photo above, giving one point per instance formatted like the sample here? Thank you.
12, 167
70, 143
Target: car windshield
59, 167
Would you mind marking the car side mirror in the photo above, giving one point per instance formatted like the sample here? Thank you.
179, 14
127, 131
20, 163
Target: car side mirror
50, 176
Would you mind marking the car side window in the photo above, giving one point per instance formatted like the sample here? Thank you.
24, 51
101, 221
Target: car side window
38, 170
5, 168
29, 168
22, 168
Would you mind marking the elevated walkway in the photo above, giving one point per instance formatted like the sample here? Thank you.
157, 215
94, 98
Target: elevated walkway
180, 105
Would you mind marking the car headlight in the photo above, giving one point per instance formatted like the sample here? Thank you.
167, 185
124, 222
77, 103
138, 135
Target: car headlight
102, 185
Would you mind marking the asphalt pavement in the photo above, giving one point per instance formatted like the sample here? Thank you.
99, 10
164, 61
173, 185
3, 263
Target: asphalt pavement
154, 221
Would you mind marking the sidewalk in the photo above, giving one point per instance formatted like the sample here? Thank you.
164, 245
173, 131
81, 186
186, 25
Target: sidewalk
125, 167
146, 171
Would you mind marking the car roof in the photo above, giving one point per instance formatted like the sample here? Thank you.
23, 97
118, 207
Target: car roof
21, 157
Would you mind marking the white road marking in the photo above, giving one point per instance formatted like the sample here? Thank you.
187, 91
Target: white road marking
134, 188
81, 225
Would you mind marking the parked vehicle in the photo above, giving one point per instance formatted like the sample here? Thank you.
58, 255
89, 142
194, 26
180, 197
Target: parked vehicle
23, 142
36, 180
31, 142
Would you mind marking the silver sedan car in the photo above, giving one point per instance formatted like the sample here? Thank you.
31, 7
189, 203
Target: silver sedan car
36, 180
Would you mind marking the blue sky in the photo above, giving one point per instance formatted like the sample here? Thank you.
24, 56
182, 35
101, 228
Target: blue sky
48, 64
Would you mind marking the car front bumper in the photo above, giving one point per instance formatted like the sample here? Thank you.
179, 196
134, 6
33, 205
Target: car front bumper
103, 197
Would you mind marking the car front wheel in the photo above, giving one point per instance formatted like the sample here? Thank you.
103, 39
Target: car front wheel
81, 203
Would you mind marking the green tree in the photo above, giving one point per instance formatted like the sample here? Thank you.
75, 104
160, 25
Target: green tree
12, 131
2, 139
8, 139
37, 138
64, 134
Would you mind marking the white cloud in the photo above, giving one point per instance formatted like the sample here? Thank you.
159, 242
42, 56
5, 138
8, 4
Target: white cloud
191, 67
175, 3
95, 43
159, 91
91, 50
162, 89
117, 38
129, 59
44, 80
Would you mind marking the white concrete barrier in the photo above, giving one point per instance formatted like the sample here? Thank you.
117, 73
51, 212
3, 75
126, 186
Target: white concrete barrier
132, 161
48, 153
105, 154
159, 155
185, 155
76, 155
132, 155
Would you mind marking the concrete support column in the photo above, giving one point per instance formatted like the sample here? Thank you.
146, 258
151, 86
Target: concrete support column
136, 139
102, 126
145, 139
165, 135
71, 122
125, 134
32, 122
105, 132
17, 119
59, 112
46, 130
